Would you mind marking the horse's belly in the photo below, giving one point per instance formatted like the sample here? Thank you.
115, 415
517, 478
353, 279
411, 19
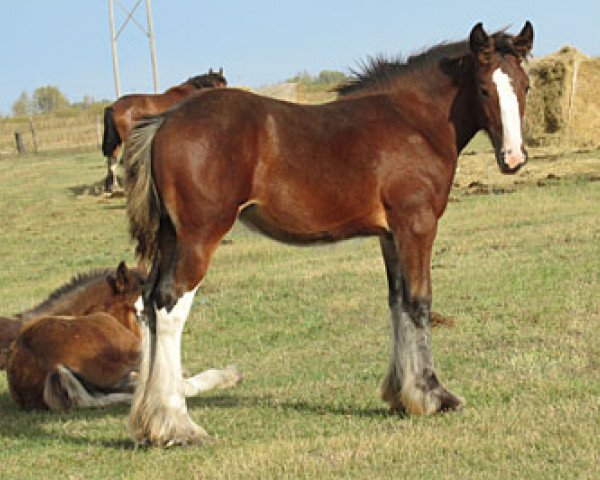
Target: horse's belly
303, 225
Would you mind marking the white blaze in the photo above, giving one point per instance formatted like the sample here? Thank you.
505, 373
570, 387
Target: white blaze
139, 306
511, 119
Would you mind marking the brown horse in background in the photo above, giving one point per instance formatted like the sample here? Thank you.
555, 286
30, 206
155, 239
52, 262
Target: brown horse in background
121, 116
81, 347
378, 161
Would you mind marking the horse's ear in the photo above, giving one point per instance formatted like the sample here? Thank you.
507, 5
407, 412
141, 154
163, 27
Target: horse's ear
482, 45
119, 280
221, 71
210, 72
524, 40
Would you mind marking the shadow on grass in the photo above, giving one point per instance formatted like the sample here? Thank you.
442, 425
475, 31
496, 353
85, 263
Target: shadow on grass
30, 424
33, 425
241, 401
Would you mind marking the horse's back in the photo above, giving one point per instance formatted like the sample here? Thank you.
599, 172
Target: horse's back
309, 172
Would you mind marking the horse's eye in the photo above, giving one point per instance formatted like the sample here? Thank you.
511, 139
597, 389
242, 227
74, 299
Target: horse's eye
484, 92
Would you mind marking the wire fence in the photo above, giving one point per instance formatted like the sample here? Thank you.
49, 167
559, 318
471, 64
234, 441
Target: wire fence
40, 134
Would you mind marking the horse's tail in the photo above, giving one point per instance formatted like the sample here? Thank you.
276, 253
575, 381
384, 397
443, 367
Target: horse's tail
143, 203
111, 138
64, 389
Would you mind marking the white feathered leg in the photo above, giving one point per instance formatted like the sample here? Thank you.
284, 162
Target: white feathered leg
159, 414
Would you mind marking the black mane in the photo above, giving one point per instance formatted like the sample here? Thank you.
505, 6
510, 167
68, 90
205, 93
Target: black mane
378, 71
208, 80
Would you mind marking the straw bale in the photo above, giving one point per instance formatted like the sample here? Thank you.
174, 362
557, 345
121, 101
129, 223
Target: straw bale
563, 105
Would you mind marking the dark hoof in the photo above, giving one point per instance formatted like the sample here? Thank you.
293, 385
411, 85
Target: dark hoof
450, 402
398, 410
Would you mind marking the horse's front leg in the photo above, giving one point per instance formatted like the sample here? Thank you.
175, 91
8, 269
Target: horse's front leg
159, 414
412, 384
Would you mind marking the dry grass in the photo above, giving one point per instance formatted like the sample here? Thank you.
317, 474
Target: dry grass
518, 273
51, 133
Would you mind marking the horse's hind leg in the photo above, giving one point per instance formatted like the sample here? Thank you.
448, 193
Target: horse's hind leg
159, 414
63, 391
111, 182
411, 383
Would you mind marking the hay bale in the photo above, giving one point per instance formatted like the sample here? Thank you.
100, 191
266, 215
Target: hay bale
563, 105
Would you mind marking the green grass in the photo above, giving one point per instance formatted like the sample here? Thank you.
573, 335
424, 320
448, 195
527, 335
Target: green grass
309, 329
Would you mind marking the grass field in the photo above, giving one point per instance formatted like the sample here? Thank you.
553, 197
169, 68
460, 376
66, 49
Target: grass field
519, 273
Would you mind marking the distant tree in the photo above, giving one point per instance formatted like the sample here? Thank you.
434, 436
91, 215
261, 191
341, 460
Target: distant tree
23, 106
331, 77
301, 77
49, 99
326, 80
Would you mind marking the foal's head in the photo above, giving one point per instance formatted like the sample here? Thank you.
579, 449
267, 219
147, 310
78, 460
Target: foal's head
126, 285
502, 85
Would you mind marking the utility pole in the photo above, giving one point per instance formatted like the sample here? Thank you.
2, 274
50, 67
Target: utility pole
147, 30
152, 50
113, 43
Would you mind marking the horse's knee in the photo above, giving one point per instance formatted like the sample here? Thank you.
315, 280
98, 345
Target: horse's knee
165, 296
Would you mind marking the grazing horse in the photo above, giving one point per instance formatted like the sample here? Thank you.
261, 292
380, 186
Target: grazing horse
121, 116
380, 160
81, 347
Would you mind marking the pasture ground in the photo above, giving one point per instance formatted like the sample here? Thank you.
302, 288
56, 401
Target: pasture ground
516, 265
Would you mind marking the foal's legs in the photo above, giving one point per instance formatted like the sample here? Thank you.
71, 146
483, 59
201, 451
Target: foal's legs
411, 383
159, 414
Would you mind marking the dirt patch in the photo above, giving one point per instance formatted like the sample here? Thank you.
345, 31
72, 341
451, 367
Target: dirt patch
96, 190
439, 320
478, 173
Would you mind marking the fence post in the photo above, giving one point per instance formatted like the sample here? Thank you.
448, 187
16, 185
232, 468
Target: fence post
19, 143
33, 135
98, 130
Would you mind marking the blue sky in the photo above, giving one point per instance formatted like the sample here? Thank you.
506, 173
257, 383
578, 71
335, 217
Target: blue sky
67, 43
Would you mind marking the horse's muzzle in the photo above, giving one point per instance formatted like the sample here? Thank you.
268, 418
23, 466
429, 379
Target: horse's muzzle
511, 162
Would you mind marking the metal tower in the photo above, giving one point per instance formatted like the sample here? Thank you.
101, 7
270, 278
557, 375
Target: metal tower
147, 30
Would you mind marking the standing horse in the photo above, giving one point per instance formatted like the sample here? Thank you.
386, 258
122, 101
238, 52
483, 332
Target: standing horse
378, 161
81, 347
121, 116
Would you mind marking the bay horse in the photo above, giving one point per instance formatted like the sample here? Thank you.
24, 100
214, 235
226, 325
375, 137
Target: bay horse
379, 160
122, 115
81, 347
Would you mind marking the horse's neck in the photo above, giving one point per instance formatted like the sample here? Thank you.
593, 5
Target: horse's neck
453, 107
80, 301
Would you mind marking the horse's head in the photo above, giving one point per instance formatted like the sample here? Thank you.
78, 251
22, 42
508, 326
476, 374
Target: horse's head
126, 285
502, 85
211, 79
217, 79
